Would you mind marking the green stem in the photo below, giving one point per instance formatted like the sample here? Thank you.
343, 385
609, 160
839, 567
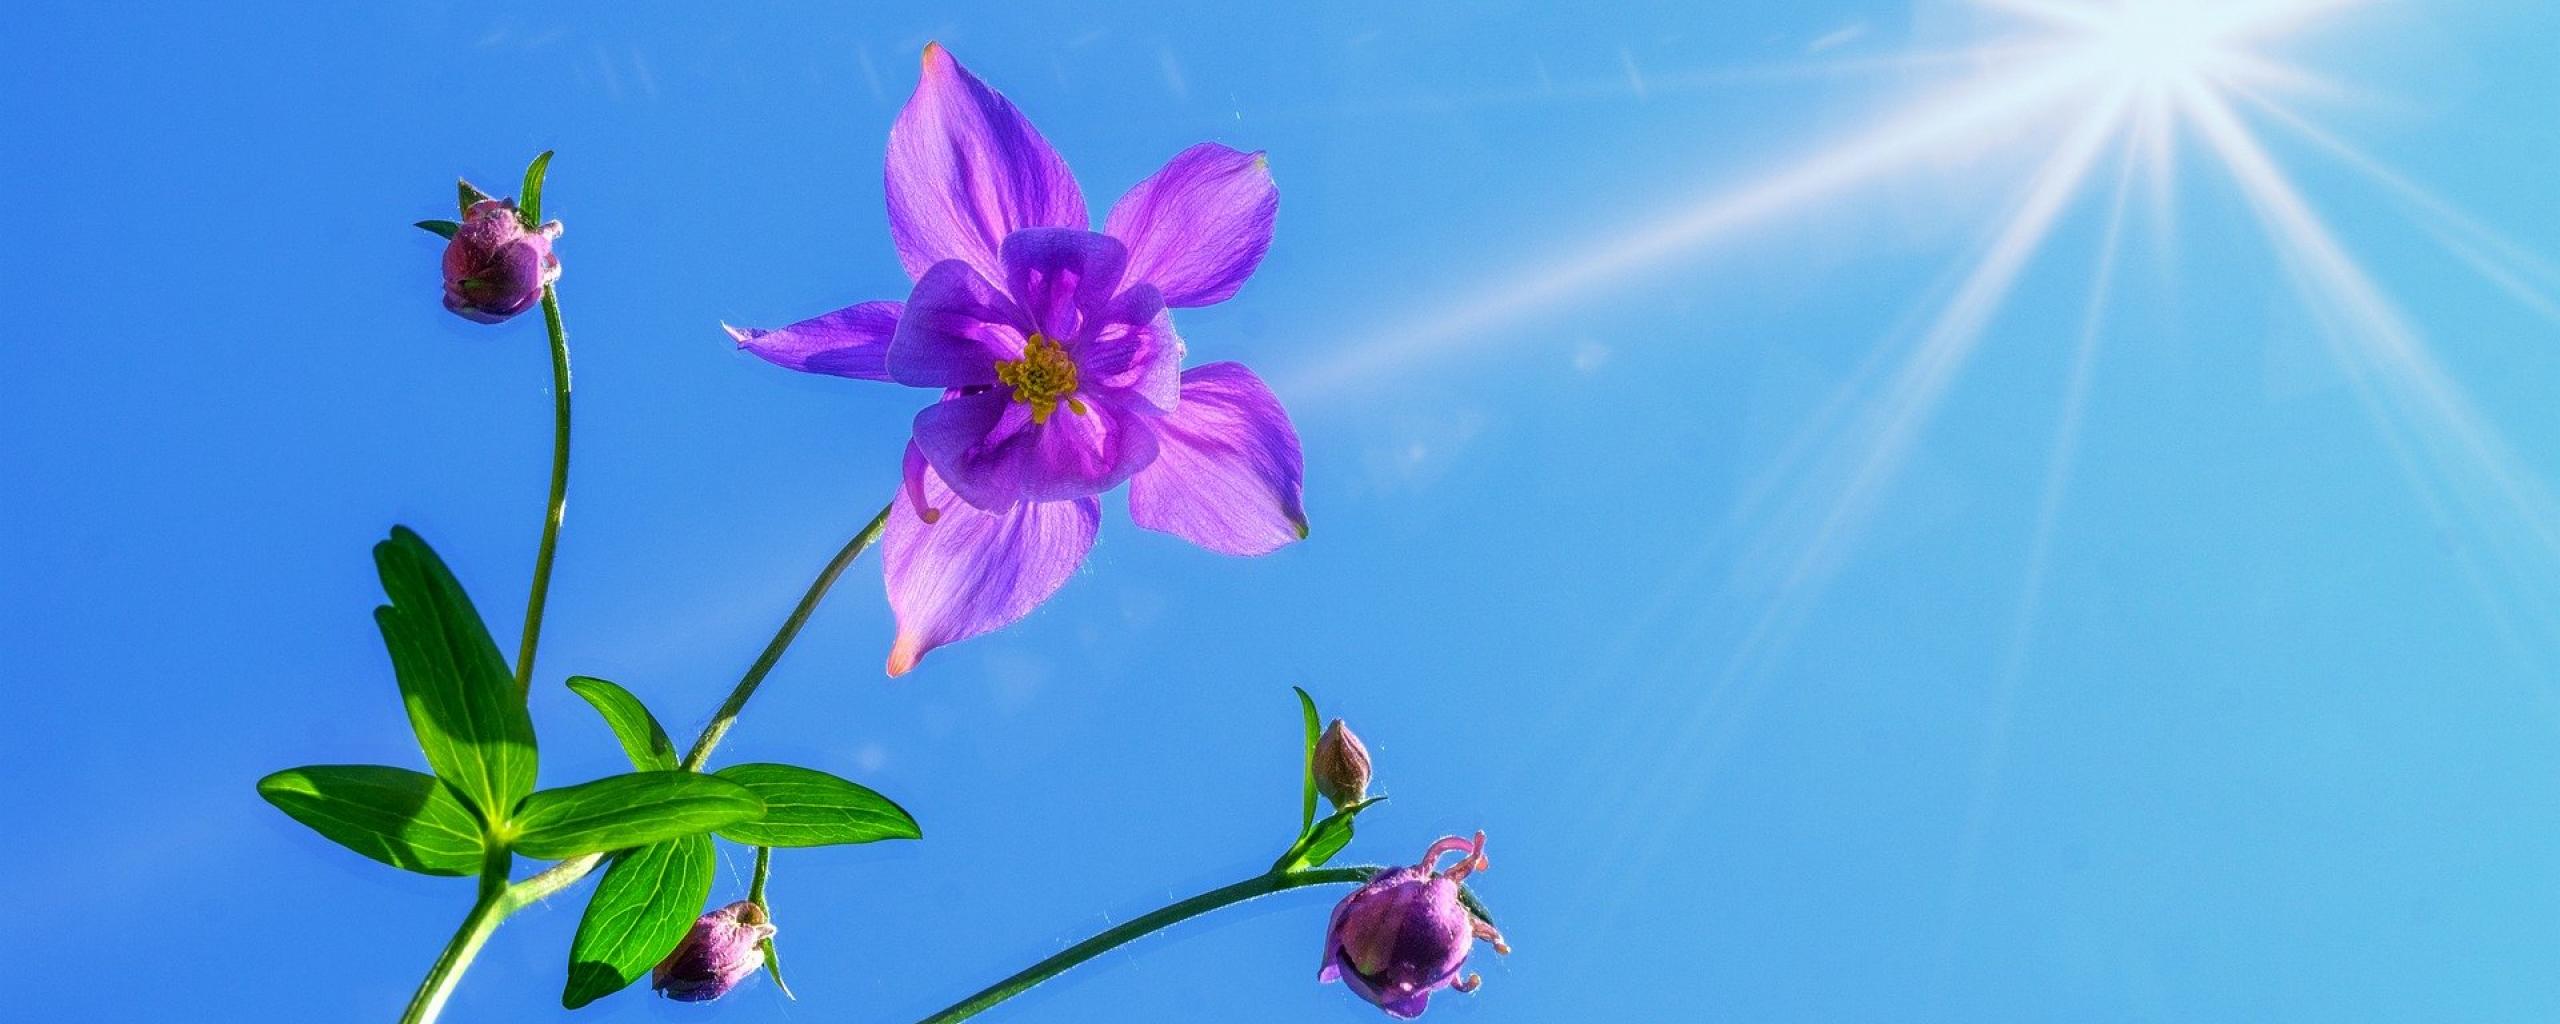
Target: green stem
727, 716
499, 900
489, 908
1157, 920
559, 488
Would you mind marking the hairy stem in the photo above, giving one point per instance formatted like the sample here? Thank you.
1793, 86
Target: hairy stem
1153, 921
487, 909
727, 716
558, 504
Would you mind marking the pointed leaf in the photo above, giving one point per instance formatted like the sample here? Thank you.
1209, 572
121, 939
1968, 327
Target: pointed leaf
642, 740
755, 892
469, 194
402, 818
441, 228
624, 811
806, 807
1307, 801
529, 201
645, 904
1325, 840
463, 702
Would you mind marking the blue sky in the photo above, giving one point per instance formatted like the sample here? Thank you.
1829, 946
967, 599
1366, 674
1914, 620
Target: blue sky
1703, 503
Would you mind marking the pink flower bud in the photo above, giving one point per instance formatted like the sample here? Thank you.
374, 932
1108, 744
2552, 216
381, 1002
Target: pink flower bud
495, 268
1341, 765
723, 948
1405, 934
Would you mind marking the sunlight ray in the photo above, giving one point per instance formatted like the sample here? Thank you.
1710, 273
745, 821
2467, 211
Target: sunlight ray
2386, 342
1685, 747
2009, 677
1896, 141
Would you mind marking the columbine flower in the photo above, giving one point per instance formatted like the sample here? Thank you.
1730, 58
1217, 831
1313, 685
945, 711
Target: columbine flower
495, 268
723, 948
1056, 362
1341, 766
1405, 934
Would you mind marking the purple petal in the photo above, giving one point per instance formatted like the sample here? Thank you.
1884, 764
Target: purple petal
1198, 227
850, 342
965, 169
991, 453
955, 329
969, 571
1062, 277
1131, 346
1227, 475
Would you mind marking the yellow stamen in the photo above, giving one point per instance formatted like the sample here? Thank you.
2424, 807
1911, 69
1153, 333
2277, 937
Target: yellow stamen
1042, 378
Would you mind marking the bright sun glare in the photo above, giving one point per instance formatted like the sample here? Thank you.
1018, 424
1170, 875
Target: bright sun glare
2111, 87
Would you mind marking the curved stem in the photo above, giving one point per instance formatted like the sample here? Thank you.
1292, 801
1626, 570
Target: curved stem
486, 911
1156, 920
559, 488
727, 716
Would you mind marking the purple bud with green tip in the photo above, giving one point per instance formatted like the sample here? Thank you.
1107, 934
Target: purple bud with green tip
724, 947
1406, 934
495, 267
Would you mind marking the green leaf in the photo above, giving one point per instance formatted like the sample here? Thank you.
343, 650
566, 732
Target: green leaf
1326, 839
1307, 801
529, 201
469, 194
624, 811
463, 702
441, 228
642, 740
646, 902
402, 818
806, 807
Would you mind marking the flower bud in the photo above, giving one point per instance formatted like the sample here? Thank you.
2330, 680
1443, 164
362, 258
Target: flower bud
1406, 934
1341, 766
495, 268
723, 948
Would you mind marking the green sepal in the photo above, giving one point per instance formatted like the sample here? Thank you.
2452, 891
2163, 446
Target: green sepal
529, 201
462, 700
440, 228
644, 905
469, 194
807, 807
623, 811
643, 740
1326, 839
402, 818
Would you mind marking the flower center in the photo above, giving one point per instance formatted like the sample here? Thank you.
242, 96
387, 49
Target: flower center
1042, 378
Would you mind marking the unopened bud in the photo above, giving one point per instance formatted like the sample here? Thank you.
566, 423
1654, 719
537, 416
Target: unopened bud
724, 947
1341, 766
495, 267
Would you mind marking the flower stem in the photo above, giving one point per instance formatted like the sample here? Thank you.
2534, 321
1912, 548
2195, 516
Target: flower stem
1171, 914
489, 908
727, 716
498, 900
558, 505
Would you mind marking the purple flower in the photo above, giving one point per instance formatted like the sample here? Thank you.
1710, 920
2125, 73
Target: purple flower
1405, 934
723, 948
495, 268
1052, 350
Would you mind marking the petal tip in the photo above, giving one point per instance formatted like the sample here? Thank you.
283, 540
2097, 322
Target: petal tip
736, 334
904, 654
933, 53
